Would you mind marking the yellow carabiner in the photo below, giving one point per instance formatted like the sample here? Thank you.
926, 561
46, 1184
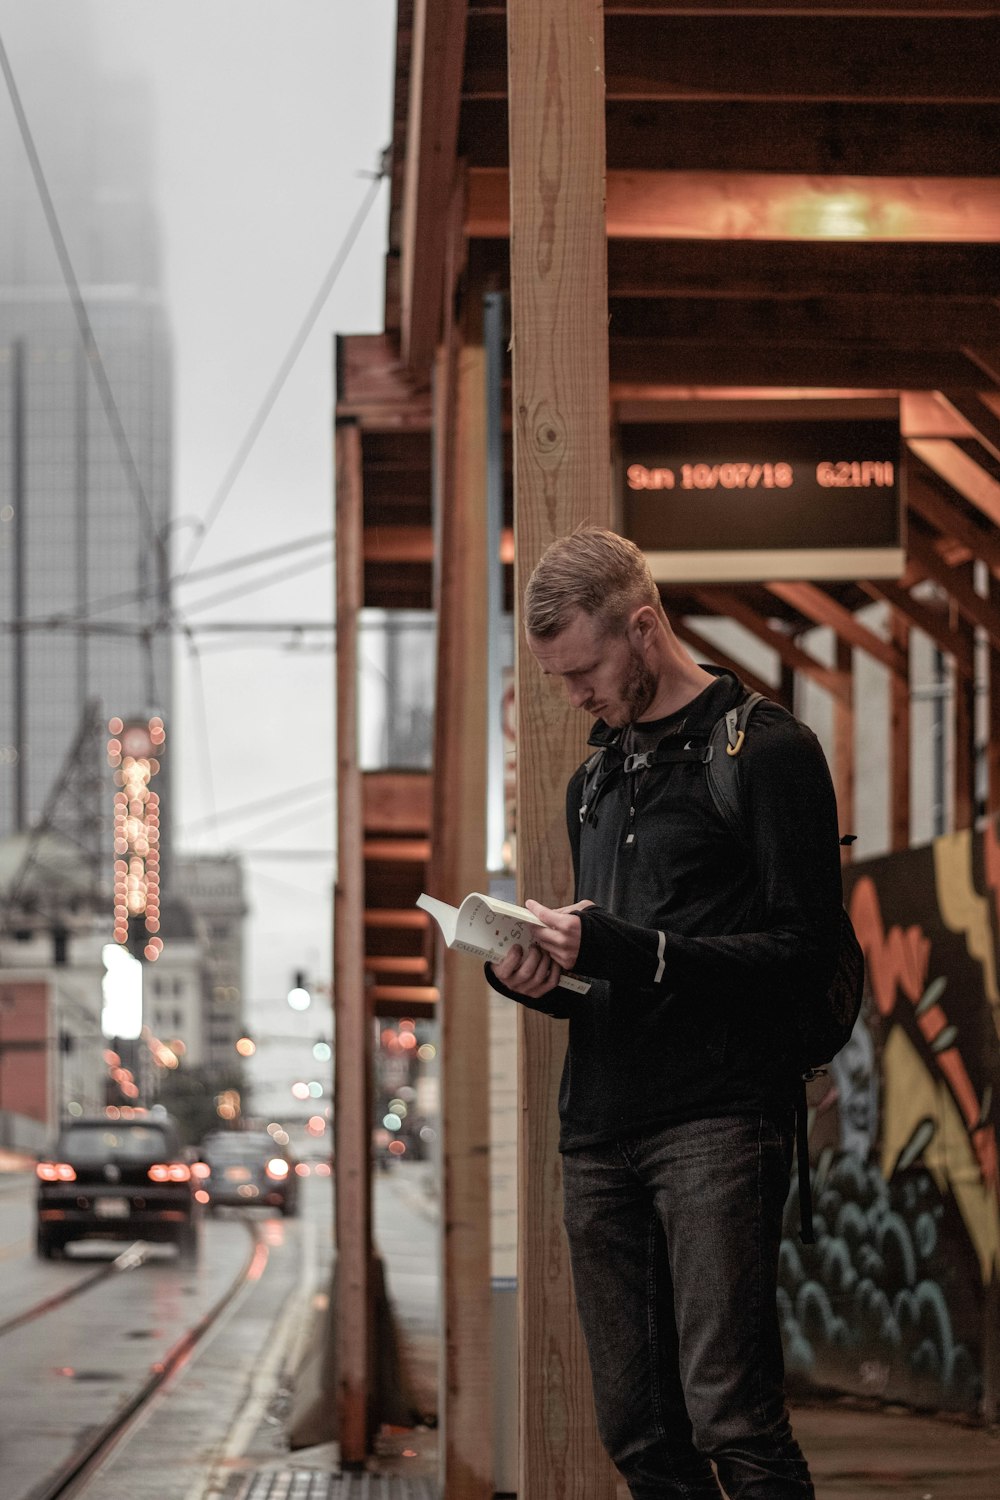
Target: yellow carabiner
735, 749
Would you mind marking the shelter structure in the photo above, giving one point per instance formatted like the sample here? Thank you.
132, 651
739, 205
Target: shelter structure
616, 232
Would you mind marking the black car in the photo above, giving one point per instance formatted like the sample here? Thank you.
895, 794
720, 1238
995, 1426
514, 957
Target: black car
244, 1168
116, 1179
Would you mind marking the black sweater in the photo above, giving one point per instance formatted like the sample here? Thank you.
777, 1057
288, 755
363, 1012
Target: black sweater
699, 949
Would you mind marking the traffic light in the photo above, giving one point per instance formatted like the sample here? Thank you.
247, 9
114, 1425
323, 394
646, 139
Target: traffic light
299, 997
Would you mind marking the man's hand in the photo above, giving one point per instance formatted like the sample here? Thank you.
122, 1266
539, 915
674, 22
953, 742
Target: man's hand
535, 970
560, 937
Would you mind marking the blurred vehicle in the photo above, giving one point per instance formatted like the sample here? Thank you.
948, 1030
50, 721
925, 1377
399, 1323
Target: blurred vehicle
245, 1167
116, 1179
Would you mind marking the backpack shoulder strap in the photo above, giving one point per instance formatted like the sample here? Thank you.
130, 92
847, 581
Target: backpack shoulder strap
722, 764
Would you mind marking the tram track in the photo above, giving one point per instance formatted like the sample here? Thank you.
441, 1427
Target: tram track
76, 1471
130, 1258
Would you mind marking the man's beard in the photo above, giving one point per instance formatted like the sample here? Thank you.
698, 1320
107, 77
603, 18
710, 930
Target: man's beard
638, 689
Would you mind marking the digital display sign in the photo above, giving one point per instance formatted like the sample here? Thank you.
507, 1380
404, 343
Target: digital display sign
737, 501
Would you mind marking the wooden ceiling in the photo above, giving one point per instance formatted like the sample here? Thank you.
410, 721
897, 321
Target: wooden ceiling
802, 201
800, 198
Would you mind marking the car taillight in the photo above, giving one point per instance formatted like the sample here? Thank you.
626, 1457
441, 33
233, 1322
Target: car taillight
200, 1169
277, 1167
174, 1171
55, 1171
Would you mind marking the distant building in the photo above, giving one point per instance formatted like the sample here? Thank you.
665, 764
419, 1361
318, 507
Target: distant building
173, 990
84, 491
51, 996
211, 885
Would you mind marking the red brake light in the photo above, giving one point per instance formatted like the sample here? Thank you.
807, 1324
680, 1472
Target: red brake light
175, 1171
55, 1171
277, 1167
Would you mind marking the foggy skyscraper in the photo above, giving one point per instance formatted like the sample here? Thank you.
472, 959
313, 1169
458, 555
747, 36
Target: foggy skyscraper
84, 493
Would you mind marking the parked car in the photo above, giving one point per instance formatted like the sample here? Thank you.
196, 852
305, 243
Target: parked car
116, 1179
245, 1167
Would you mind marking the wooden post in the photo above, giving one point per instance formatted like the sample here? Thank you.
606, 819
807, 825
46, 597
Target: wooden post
965, 723
899, 740
459, 866
561, 478
993, 734
354, 1314
843, 744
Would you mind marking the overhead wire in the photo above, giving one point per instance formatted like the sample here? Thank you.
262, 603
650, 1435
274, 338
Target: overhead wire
259, 583
139, 596
274, 390
261, 804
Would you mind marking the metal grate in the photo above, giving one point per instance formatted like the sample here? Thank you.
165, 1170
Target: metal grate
307, 1484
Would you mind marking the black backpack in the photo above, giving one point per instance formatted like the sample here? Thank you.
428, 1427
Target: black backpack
826, 1023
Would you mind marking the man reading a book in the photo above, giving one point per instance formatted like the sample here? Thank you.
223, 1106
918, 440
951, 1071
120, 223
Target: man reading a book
677, 1097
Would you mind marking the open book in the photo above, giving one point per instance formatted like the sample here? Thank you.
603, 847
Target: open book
487, 927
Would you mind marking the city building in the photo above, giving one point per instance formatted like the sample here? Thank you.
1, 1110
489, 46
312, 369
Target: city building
211, 886
85, 418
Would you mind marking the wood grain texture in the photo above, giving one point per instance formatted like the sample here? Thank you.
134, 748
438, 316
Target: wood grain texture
354, 1321
561, 479
465, 1402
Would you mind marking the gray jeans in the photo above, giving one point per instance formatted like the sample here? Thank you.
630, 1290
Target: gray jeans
674, 1240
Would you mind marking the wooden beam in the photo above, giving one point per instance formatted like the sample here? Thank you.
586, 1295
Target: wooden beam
981, 418
404, 995
818, 606
646, 364
435, 83
375, 388
465, 1404
562, 477
389, 964
962, 472
398, 1003
843, 745
993, 719
956, 583
354, 1321
964, 765
675, 56
410, 851
951, 522
773, 206
954, 9
709, 651
888, 139
797, 268
915, 612
398, 544
900, 739
396, 917
919, 322
761, 269
397, 802
722, 602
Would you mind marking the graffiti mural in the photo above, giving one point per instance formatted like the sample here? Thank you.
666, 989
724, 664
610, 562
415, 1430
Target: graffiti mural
893, 1298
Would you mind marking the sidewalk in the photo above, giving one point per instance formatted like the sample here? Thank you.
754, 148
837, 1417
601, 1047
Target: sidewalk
856, 1451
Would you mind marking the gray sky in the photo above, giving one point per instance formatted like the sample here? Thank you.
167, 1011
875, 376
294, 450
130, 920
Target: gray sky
266, 114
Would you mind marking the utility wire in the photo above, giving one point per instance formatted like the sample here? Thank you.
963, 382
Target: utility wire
258, 583
86, 331
140, 596
200, 684
284, 370
261, 804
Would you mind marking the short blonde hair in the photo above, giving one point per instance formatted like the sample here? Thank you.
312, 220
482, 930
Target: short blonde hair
593, 570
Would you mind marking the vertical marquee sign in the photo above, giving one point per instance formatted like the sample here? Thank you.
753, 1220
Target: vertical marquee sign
133, 751
724, 501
